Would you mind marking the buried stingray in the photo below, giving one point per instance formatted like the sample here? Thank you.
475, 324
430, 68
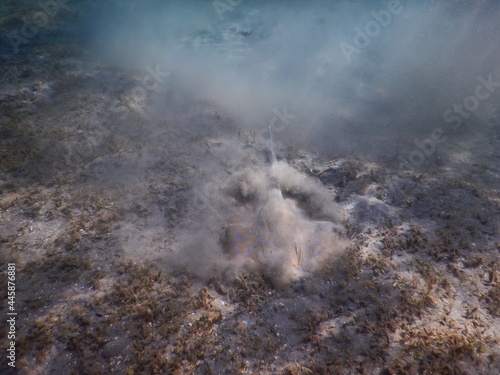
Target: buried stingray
272, 231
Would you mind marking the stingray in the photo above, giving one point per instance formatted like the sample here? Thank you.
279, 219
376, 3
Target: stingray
279, 228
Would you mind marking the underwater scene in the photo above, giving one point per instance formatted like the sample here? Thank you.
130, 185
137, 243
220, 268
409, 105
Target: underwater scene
250, 187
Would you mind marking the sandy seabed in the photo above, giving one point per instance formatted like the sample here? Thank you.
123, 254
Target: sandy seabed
121, 269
